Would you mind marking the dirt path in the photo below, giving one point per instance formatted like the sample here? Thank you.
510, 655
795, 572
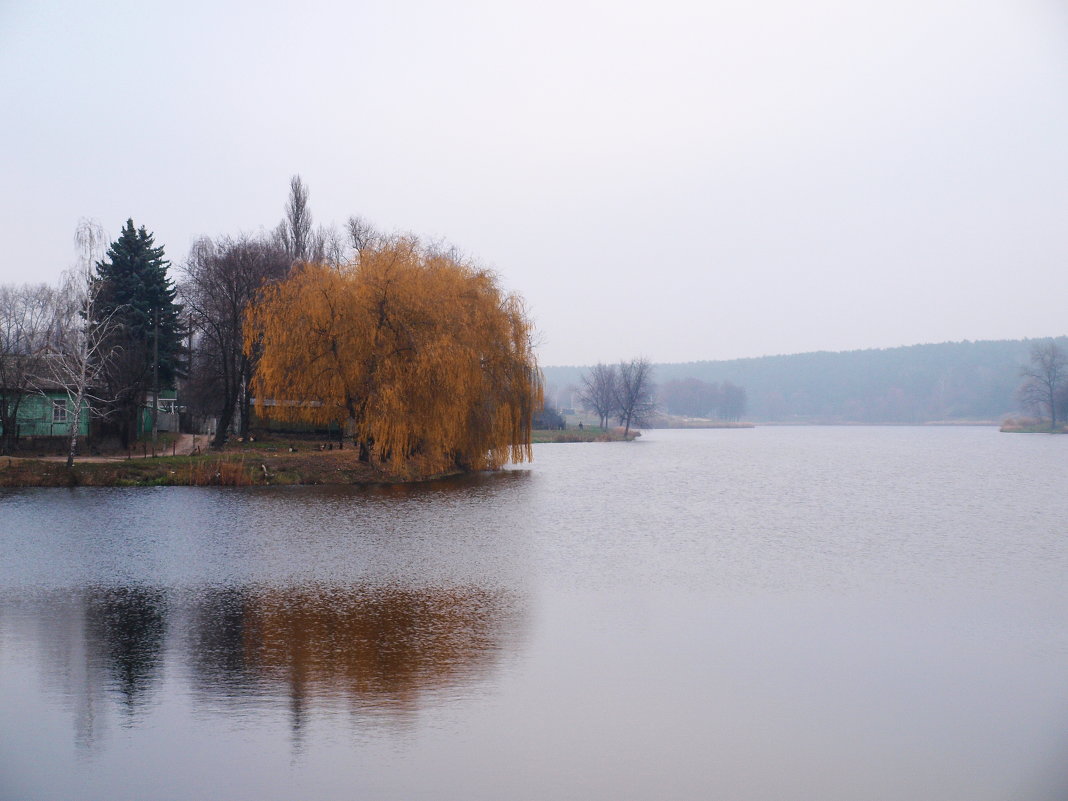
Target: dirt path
190, 443
184, 445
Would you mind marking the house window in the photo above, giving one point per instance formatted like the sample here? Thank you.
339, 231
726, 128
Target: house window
59, 411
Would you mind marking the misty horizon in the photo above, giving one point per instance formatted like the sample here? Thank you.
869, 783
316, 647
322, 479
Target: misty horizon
976, 341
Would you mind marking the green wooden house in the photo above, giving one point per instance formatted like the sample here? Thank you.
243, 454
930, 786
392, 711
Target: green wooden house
49, 414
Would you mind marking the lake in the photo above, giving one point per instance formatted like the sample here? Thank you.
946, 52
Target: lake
775, 613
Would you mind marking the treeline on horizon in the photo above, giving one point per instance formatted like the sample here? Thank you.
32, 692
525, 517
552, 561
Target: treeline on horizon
949, 381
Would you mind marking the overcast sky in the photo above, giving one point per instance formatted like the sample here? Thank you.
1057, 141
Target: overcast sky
681, 180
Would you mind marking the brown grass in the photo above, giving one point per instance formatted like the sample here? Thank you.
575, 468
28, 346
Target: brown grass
263, 461
218, 473
587, 434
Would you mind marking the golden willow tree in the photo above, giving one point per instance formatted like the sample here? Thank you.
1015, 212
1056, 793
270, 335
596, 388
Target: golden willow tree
423, 358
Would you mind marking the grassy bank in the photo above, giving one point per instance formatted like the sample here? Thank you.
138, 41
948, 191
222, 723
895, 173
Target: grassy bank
584, 434
271, 462
1027, 425
265, 461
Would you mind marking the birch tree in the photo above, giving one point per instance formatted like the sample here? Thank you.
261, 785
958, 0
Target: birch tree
79, 352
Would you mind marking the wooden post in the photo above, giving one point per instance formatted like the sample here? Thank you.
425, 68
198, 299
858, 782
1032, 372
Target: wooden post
155, 380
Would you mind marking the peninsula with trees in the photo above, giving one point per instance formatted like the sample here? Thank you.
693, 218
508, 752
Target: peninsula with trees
393, 359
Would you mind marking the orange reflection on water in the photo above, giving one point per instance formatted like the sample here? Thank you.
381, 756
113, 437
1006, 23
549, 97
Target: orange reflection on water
383, 648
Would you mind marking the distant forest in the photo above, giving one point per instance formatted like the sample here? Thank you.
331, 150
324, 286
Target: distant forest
950, 381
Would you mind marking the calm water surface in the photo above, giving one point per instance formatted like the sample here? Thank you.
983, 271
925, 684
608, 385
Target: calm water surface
778, 613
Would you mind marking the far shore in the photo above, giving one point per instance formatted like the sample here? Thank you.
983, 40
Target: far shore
698, 422
1028, 425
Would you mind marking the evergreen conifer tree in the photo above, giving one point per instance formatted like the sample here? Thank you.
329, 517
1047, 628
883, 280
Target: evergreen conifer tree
133, 290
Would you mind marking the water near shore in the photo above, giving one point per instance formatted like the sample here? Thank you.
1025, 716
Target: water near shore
804, 613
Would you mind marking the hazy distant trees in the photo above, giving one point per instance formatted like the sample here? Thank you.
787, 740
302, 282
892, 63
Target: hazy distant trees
624, 391
549, 417
691, 397
734, 402
222, 278
598, 392
635, 392
1045, 379
975, 381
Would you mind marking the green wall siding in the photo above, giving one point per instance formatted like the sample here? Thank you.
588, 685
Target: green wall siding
38, 418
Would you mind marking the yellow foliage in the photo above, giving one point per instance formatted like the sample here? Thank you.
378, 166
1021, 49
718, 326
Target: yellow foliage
423, 357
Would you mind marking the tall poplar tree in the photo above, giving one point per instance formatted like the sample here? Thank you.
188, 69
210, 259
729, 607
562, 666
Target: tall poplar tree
137, 299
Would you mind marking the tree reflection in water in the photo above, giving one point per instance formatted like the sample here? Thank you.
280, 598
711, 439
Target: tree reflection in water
369, 648
125, 631
383, 650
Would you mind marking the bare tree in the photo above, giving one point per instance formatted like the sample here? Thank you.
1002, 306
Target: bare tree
328, 246
598, 391
324, 244
635, 392
221, 279
1044, 379
361, 234
78, 352
25, 316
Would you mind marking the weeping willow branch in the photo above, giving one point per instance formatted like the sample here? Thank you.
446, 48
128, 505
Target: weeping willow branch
422, 356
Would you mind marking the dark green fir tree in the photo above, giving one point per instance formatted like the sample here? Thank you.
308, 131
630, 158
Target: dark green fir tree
137, 301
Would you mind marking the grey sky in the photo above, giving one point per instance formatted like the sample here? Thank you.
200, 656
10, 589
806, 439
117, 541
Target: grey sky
681, 180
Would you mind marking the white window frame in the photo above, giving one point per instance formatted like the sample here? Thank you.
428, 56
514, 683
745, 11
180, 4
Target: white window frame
60, 410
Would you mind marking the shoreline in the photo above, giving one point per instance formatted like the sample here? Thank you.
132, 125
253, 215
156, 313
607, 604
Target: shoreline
542, 436
259, 462
246, 465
